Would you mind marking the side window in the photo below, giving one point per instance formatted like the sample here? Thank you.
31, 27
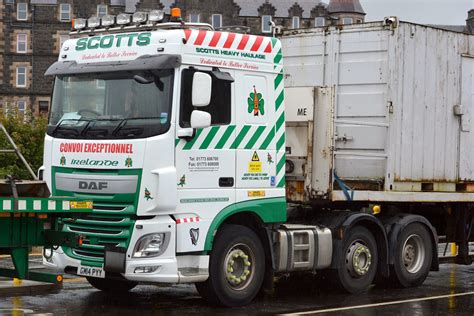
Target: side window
220, 106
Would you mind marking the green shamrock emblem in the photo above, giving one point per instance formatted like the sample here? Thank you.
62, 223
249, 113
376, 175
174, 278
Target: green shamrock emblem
256, 103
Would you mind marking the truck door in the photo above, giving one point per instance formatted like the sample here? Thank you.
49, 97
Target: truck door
205, 161
466, 164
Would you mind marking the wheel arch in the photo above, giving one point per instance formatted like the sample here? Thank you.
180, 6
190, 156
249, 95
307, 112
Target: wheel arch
374, 225
395, 226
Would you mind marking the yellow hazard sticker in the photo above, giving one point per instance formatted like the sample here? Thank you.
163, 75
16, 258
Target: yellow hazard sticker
255, 156
255, 193
255, 167
81, 204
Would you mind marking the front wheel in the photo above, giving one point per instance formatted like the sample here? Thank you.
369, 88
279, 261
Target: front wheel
236, 267
413, 256
111, 285
358, 264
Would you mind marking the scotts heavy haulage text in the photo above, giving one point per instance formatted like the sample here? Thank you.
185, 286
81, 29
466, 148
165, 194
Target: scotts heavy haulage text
117, 40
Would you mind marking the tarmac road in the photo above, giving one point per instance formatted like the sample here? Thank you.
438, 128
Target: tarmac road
448, 292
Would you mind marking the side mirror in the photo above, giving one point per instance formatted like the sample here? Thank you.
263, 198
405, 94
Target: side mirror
202, 89
200, 119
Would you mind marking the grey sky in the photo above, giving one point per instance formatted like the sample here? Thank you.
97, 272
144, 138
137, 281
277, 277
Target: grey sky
420, 11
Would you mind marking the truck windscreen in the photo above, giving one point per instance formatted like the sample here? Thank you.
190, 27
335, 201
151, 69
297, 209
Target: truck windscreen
112, 105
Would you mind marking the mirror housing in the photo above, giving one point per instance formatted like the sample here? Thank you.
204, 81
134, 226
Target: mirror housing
200, 119
202, 89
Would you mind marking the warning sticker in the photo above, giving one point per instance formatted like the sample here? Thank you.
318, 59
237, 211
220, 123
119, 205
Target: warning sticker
255, 166
255, 193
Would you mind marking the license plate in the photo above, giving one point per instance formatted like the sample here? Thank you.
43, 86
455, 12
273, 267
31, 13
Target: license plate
80, 204
93, 272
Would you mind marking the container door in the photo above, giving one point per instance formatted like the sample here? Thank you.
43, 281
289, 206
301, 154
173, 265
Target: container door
466, 163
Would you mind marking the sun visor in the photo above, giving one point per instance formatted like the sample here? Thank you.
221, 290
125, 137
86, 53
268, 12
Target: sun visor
139, 64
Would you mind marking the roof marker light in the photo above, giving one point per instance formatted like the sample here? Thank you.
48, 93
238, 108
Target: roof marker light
79, 24
156, 16
93, 22
139, 17
123, 19
176, 13
108, 20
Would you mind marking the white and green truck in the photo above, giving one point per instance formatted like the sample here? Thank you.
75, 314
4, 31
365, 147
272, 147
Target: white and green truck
178, 135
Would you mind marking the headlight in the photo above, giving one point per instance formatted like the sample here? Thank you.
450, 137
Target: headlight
151, 245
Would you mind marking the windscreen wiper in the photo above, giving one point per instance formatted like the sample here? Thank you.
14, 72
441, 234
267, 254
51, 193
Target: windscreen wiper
61, 123
124, 121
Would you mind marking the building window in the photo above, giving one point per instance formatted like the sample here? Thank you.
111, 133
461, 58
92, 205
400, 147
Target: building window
101, 10
43, 106
62, 39
65, 12
346, 20
320, 21
194, 18
266, 23
21, 77
359, 21
22, 11
9, 1
217, 20
21, 106
21, 43
295, 22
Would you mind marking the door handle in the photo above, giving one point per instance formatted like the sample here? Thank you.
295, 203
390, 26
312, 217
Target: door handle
226, 182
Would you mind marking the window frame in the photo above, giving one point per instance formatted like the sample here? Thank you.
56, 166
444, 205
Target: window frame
61, 11
319, 18
183, 122
293, 19
264, 30
25, 42
220, 20
194, 14
102, 6
347, 19
22, 111
18, 76
18, 11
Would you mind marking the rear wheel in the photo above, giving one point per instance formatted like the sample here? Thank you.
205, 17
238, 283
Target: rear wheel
111, 285
413, 255
358, 264
236, 267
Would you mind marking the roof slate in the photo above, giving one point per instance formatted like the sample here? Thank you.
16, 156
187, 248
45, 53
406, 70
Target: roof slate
250, 7
337, 6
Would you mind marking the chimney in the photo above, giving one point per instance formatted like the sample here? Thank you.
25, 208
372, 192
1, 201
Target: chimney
470, 21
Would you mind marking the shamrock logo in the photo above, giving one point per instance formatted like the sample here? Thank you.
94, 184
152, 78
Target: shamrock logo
62, 161
128, 162
256, 103
148, 195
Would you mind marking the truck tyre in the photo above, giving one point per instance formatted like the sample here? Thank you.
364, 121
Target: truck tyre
111, 285
413, 255
236, 268
358, 264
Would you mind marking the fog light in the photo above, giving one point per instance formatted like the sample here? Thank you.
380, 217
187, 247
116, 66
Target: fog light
123, 19
79, 24
108, 20
93, 22
146, 269
156, 15
139, 17
151, 245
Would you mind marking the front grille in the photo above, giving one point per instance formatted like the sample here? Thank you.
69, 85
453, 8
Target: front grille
109, 225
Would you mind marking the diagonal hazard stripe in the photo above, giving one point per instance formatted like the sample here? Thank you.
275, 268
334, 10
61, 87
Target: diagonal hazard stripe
255, 137
176, 142
281, 184
281, 163
280, 121
268, 139
207, 141
228, 132
278, 80
190, 144
240, 137
281, 142
279, 100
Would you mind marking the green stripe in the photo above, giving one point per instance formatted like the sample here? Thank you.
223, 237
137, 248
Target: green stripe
255, 137
190, 144
281, 163
281, 184
240, 137
278, 57
281, 142
268, 140
225, 137
176, 142
279, 100
280, 121
207, 141
278, 80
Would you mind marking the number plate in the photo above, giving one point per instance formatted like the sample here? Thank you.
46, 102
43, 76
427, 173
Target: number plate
94, 272
82, 204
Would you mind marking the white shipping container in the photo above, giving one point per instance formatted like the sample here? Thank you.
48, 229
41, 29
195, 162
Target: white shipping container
382, 108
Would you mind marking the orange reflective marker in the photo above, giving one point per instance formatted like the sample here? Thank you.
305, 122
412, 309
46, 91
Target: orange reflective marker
176, 12
59, 278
